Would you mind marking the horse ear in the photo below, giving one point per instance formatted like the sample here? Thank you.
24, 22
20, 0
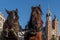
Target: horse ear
7, 11
16, 10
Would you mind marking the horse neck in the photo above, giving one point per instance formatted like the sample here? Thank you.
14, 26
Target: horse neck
16, 25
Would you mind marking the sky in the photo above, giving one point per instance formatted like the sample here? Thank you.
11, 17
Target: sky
24, 9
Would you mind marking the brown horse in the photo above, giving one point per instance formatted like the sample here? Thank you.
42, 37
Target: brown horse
11, 26
35, 25
38, 36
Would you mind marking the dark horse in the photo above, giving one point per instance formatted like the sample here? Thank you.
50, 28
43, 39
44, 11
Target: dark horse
11, 26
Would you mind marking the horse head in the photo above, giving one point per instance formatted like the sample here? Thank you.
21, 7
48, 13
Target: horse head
12, 15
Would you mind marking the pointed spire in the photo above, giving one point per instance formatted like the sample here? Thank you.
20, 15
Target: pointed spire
55, 18
48, 13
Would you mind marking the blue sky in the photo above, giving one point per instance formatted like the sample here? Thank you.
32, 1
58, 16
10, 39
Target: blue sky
24, 8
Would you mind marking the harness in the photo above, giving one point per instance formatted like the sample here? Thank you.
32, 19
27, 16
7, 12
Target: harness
7, 26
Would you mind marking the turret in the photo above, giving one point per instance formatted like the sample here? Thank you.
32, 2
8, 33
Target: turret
48, 26
55, 27
48, 17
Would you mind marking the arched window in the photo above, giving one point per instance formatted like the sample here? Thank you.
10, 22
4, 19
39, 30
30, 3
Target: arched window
53, 37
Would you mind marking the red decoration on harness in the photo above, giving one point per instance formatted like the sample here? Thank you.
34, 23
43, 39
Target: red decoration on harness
34, 30
42, 23
7, 26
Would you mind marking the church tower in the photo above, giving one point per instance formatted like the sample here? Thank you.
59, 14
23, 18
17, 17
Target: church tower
55, 28
48, 26
51, 27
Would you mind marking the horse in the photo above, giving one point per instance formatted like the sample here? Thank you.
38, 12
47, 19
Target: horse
35, 25
11, 26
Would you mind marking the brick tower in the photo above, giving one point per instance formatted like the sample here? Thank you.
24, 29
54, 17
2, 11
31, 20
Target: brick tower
48, 26
55, 28
51, 27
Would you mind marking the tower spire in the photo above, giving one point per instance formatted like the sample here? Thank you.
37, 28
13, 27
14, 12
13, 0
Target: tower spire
55, 18
48, 13
48, 25
49, 10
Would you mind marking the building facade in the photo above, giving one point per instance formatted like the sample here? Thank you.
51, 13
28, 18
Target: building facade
51, 27
2, 20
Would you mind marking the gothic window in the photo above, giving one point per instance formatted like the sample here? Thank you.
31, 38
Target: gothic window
53, 37
53, 32
53, 27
